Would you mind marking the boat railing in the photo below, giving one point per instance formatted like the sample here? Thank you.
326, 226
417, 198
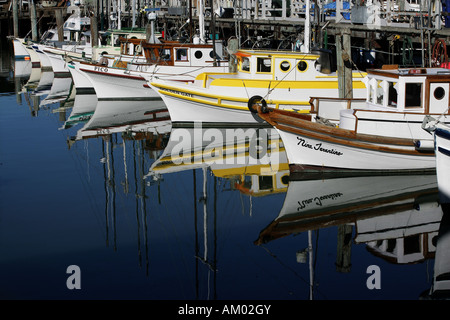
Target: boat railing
329, 108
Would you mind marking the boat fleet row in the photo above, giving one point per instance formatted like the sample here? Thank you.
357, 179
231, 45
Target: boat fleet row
396, 120
260, 143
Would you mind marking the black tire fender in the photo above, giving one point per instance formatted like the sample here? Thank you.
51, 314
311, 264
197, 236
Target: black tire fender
254, 101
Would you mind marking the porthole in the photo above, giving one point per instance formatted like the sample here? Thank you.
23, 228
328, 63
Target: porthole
285, 179
211, 54
439, 93
198, 54
285, 66
302, 66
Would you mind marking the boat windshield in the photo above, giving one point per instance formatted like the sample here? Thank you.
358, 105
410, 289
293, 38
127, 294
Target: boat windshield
383, 93
264, 65
413, 95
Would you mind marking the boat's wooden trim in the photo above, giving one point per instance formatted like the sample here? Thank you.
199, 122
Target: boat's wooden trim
299, 124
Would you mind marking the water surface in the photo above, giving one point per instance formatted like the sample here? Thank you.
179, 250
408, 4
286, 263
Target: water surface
104, 193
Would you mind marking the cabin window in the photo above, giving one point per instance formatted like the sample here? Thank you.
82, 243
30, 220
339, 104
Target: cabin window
285, 66
245, 65
165, 54
392, 94
413, 95
380, 93
181, 54
391, 244
302, 66
439, 93
412, 244
264, 65
198, 54
265, 183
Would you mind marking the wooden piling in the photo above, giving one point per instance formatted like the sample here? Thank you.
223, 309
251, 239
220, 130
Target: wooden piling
15, 9
344, 64
60, 24
33, 18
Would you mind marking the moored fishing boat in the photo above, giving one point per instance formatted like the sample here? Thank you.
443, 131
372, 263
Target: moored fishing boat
282, 79
441, 133
442, 143
383, 133
20, 52
128, 80
44, 60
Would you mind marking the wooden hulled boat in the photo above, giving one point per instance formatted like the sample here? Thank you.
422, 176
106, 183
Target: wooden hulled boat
382, 133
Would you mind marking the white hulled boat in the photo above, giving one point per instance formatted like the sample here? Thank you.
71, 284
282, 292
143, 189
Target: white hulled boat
442, 143
284, 80
127, 80
43, 58
441, 133
382, 133
20, 52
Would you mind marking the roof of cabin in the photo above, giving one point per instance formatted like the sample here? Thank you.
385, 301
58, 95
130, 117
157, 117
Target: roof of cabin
395, 72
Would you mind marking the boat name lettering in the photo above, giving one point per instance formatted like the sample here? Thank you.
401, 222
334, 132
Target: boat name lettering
318, 146
101, 69
178, 92
318, 200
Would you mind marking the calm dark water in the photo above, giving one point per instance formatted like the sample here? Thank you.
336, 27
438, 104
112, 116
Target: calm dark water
138, 226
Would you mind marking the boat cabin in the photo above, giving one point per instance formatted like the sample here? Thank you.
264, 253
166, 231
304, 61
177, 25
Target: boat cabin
172, 53
422, 90
279, 65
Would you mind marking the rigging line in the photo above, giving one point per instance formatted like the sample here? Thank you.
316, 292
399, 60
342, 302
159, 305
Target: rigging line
243, 82
86, 187
284, 77
284, 265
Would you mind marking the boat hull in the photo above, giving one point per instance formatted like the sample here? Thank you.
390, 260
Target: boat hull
308, 153
442, 145
319, 147
183, 112
224, 99
117, 84
20, 52
82, 83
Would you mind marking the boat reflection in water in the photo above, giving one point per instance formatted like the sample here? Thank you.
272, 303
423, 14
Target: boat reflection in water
141, 131
398, 218
114, 117
252, 157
